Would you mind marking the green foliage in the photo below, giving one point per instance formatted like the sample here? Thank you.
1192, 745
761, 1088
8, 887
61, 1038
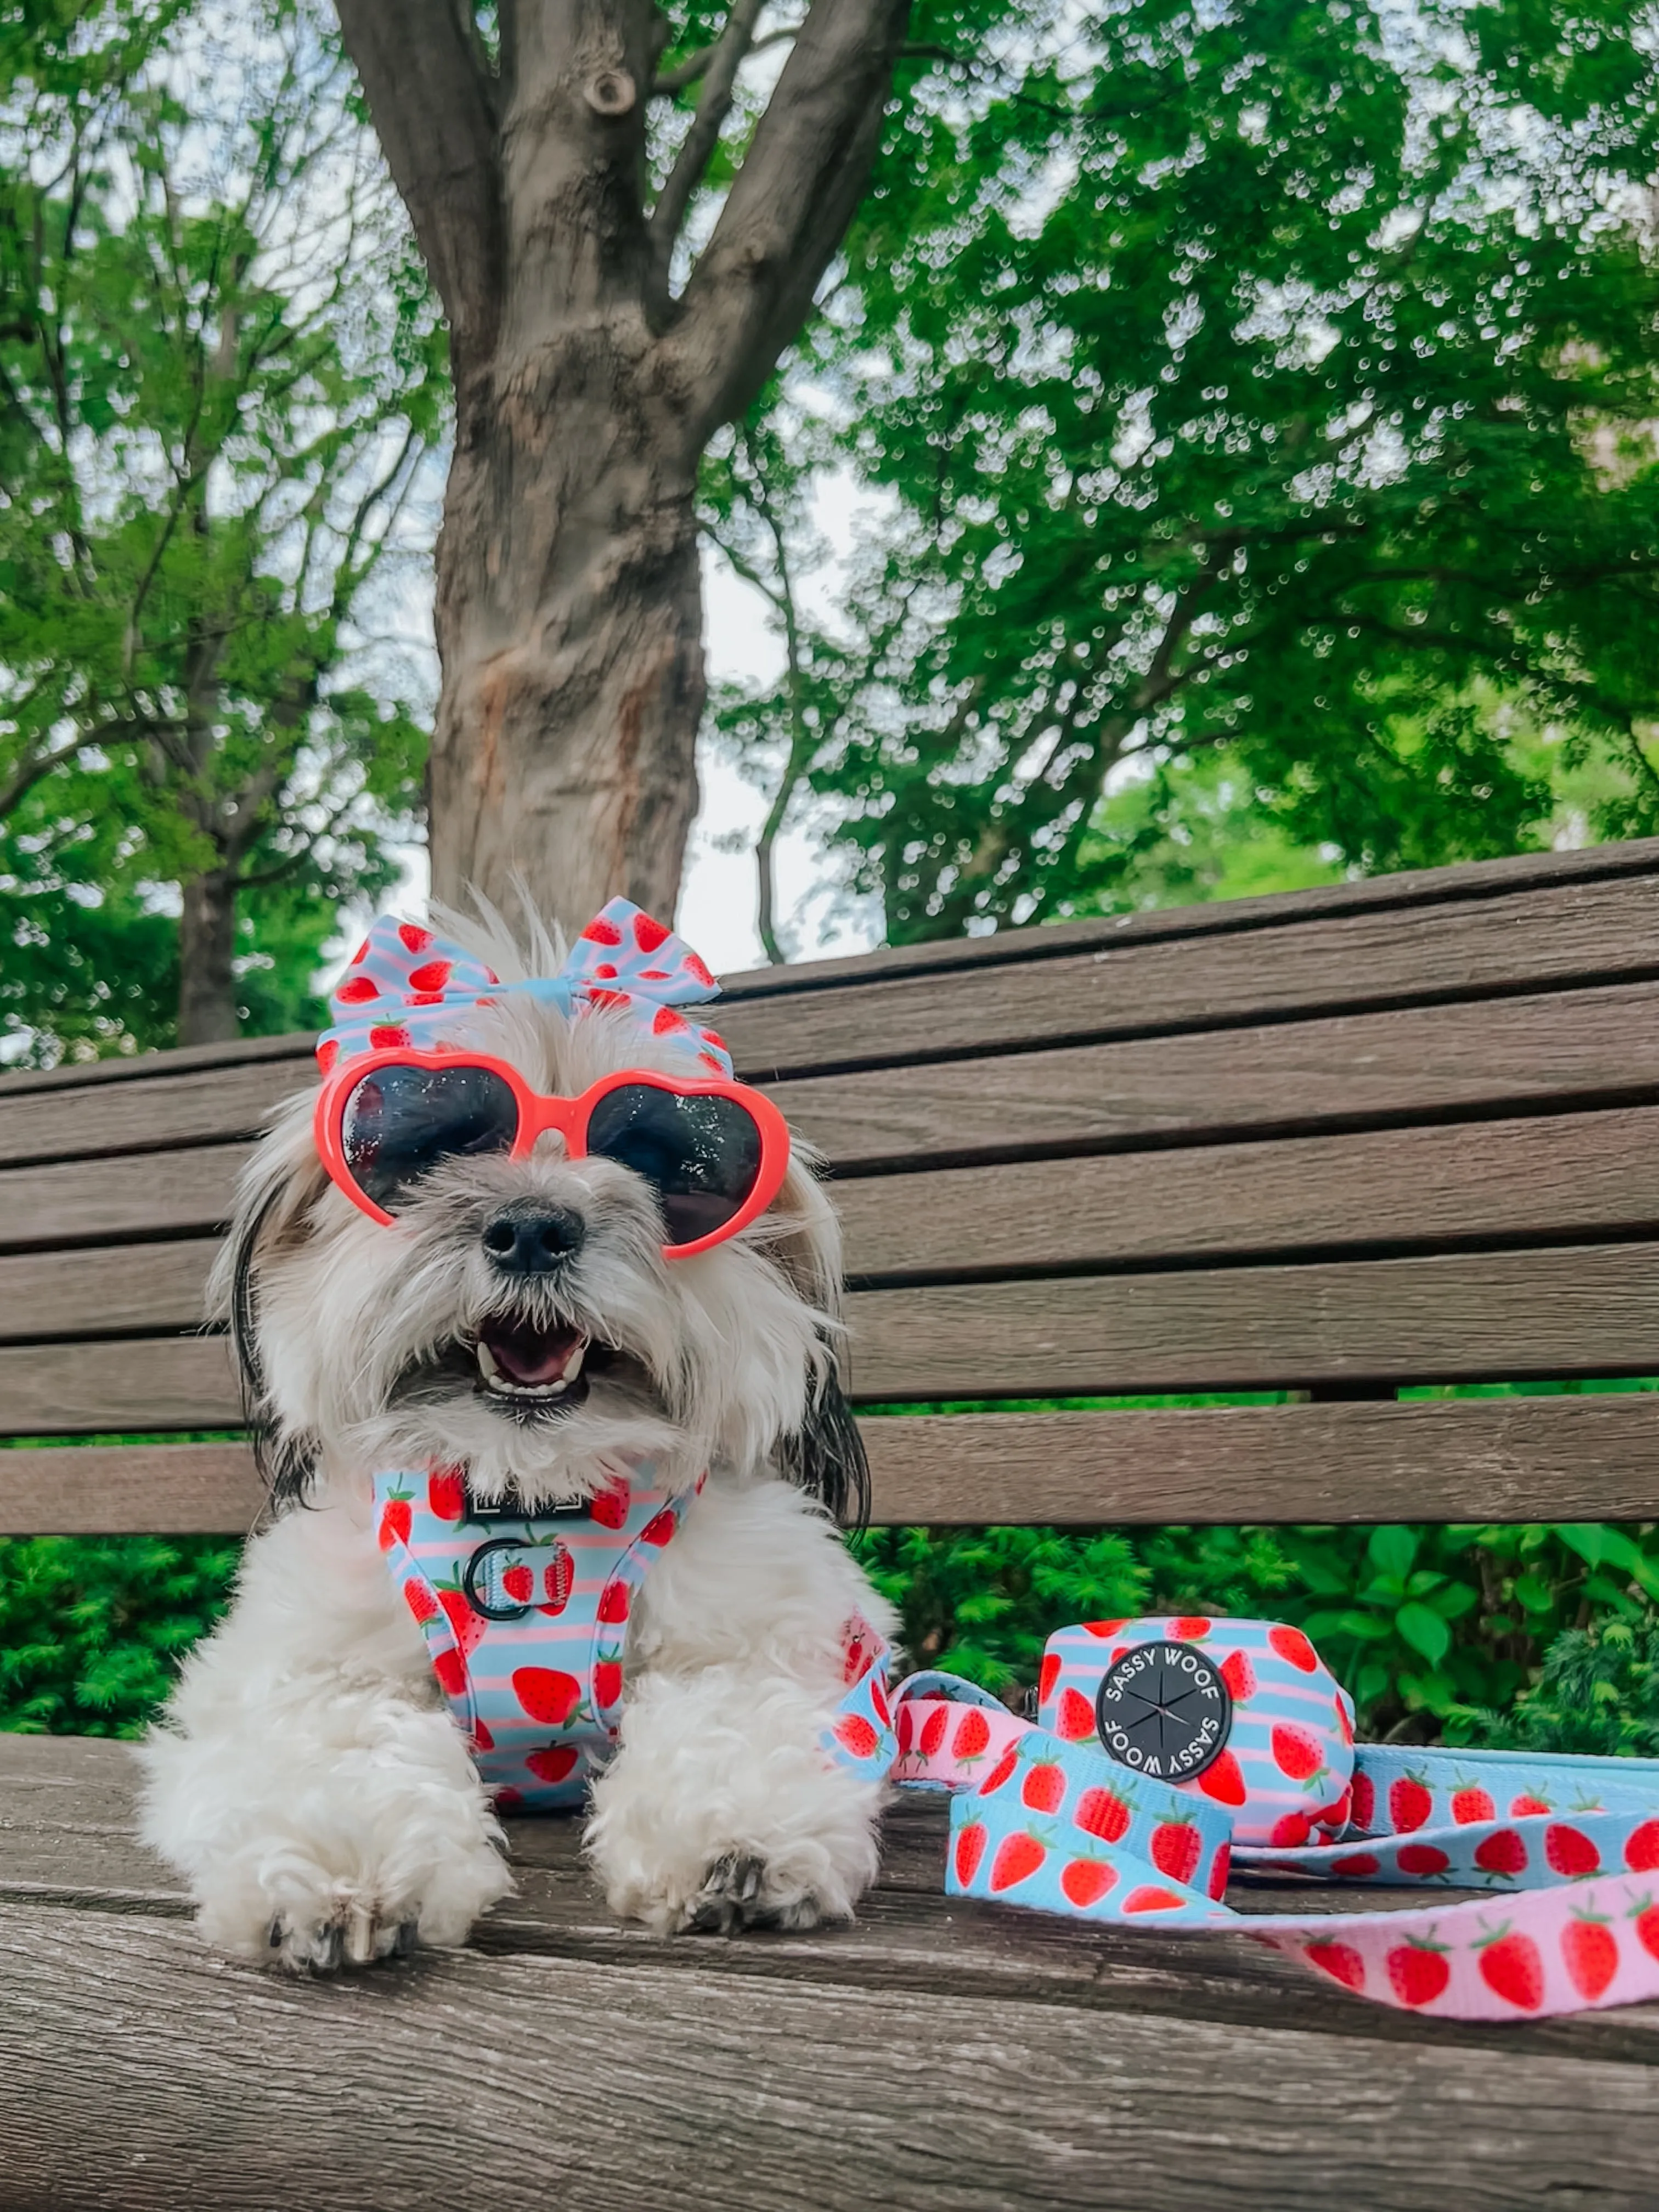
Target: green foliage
1425, 1625
91, 1630
1598, 1691
1269, 387
214, 413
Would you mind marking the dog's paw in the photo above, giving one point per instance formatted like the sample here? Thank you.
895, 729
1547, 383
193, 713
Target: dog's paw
720, 1816
740, 1891
285, 1907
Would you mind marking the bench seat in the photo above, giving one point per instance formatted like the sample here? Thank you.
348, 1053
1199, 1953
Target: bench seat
937, 2054
1323, 1154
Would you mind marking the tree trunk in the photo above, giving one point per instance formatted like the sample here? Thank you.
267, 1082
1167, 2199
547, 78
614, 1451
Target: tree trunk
207, 943
570, 621
569, 610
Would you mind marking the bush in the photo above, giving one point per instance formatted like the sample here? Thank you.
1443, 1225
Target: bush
1423, 1625
92, 1629
1434, 1630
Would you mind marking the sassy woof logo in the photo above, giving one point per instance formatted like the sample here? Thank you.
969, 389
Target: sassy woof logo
1164, 1709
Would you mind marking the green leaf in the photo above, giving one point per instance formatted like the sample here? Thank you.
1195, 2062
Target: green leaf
1391, 1552
1424, 1630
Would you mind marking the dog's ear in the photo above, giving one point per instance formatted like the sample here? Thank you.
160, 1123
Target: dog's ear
271, 1196
825, 1455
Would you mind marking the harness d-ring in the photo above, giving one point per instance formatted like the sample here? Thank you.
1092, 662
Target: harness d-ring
470, 1581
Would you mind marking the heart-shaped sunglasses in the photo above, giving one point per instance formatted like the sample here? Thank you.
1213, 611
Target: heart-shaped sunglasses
715, 1153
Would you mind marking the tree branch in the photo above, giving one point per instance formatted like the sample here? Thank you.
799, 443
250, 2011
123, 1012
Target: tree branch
714, 106
668, 81
433, 105
23, 781
787, 211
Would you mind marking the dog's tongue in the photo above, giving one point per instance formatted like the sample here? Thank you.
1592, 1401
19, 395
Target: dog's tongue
533, 1357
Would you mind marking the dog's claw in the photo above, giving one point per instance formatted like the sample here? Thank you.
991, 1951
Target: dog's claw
407, 1938
732, 1885
358, 1936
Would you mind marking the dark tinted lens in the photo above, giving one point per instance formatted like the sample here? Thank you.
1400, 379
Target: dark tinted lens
400, 1121
701, 1155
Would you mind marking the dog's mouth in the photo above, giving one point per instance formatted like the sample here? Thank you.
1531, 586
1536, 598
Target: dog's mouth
544, 1368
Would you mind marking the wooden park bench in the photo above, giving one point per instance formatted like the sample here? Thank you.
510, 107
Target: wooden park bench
1329, 1146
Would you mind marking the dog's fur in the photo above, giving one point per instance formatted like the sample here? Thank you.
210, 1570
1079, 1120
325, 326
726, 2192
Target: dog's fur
306, 1779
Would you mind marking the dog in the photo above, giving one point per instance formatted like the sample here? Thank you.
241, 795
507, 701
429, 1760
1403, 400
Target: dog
521, 1314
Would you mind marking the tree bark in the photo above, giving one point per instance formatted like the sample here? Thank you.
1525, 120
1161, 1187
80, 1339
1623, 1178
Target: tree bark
569, 608
207, 946
570, 621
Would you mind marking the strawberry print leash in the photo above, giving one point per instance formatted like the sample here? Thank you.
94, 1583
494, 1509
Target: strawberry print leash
1043, 1818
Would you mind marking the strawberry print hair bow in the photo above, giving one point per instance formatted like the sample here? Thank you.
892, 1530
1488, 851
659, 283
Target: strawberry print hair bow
407, 985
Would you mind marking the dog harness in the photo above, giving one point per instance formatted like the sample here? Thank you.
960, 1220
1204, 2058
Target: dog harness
525, 1618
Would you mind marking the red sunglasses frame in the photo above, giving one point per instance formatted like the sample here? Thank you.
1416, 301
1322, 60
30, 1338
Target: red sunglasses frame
540, 1111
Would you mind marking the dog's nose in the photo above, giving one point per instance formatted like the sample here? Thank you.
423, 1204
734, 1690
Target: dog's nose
531, 1237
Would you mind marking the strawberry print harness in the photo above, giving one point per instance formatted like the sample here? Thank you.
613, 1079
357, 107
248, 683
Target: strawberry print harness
525, 1618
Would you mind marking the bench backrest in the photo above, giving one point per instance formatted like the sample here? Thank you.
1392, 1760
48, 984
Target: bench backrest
1331, 1146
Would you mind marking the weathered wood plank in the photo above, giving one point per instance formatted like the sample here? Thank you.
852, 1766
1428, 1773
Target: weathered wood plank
1553, 1177
1549, 1177
109, 1201
129, 1386
1488, 1458
141, 1490
1464, 882
203, 1106
91, 1293
137, 2070
1580, 935
1502, 1315
66, 1808
1422, 1063
1459, 1459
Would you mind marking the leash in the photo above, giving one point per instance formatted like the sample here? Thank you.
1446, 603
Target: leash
1167, 1753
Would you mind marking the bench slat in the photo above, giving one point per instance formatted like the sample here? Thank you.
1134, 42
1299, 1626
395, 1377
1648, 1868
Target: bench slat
1575, 1310
1593, 1047
1555, 1177
1578, 936
816, 2074
1466, 1459
1496, 1316
218, 2084
1418, 1063
151, 1113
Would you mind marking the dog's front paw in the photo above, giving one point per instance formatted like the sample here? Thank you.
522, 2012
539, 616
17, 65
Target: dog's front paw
286, 1902
741, 1890
316, 1903
305, 1849
701, 1824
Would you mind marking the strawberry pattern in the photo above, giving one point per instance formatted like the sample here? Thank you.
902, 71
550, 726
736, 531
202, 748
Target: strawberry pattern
408, 987
1567, 1848
1289, 1753
525, 1618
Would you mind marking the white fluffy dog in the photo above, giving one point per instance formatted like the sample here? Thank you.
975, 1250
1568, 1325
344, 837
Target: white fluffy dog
308, 1779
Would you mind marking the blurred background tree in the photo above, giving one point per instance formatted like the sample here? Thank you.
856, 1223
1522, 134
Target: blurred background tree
215, 402
1255, 407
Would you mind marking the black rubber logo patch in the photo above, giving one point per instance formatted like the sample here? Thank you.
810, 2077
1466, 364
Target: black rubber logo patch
1164, 1709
